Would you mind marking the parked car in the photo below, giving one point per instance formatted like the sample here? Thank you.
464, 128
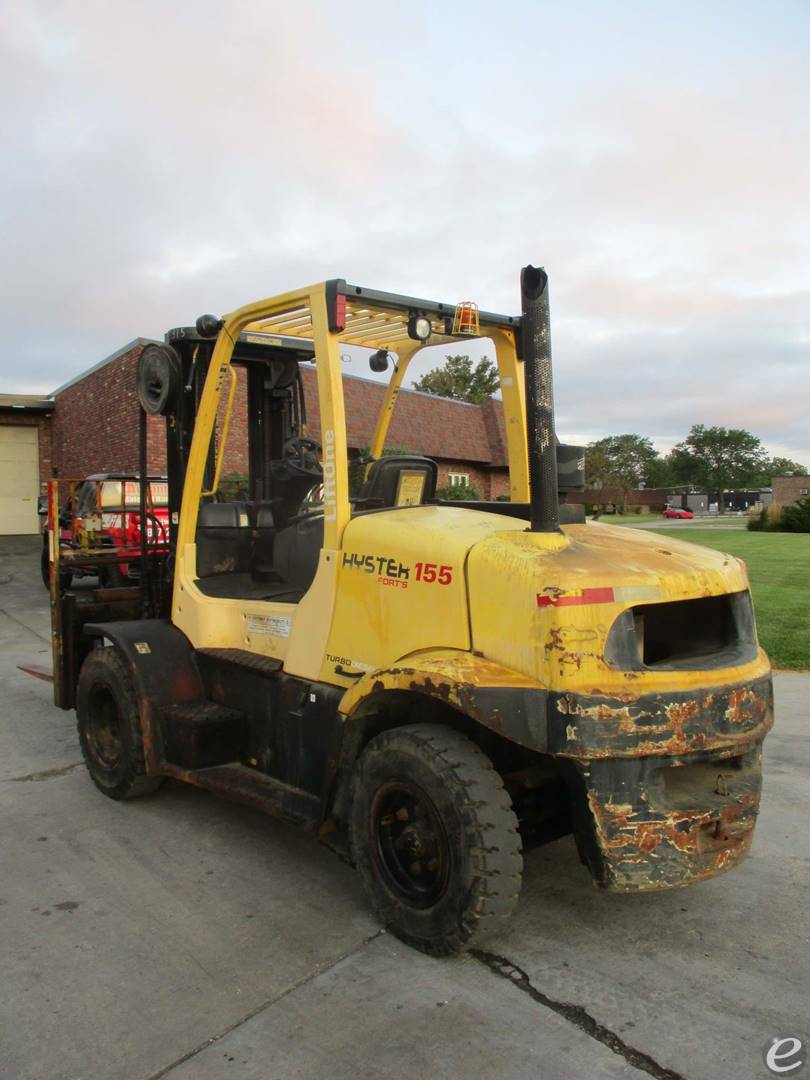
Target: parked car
104, 512
676, 512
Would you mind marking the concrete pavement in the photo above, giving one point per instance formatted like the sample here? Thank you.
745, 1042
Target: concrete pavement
184, 937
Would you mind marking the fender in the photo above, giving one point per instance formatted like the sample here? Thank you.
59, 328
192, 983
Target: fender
725, 716
164, 671
501, 699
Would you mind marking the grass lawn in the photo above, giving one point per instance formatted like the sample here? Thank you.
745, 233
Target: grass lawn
724, 521
629, 519
779, 569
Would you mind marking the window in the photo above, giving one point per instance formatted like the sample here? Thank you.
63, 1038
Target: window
804, 491
460, 478
86, 499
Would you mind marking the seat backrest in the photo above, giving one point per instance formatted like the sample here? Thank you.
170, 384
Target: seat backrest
223, 538
269, 514
270, 518
399, 480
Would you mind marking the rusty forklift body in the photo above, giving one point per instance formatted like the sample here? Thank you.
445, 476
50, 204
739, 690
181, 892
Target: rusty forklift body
612, 682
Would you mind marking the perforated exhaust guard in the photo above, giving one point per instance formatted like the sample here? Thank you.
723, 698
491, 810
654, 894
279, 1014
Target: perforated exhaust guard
544, 510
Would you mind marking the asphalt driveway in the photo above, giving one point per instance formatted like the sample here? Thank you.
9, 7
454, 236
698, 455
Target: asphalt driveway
181, 936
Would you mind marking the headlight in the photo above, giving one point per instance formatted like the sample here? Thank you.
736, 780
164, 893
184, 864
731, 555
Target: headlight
419, 327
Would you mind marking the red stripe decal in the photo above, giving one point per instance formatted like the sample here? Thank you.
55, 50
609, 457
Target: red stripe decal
587, 596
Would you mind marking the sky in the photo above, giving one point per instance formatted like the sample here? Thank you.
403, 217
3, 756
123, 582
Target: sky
159, 160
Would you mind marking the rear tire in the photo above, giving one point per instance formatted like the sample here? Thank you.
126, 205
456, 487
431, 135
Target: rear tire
435, 838
109, 725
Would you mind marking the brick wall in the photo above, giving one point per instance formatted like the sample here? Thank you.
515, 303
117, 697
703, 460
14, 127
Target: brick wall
788, 489
95, 426
95, 423
236, 458
478, 477
498, 483
604, 496
429, 425
41, 421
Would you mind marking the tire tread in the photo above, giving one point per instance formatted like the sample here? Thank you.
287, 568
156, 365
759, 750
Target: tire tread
494, 844
107, 661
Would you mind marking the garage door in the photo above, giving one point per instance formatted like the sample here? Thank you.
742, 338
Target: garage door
19, 480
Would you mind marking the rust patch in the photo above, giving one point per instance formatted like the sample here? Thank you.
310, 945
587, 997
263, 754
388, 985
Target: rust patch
661, 724
564, 645
554, 592
743, 706
674, 831
680, 712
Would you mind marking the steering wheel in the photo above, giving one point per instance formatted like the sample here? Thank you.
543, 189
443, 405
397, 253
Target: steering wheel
301, 456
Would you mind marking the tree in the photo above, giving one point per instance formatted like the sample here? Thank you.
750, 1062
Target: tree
619, 461
660, 473
718, 458
458, 379
796, 517
359, 463
781, 466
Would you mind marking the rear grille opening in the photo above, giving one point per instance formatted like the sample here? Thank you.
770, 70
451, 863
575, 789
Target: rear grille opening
689, 628
711, 631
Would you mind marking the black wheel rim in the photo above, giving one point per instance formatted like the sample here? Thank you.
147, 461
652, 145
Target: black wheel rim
104, 728
410, 843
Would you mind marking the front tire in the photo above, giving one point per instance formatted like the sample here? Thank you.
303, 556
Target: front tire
435, 838
109, 725
65, 576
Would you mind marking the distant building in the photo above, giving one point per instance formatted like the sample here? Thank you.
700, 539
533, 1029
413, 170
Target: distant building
746, 500
789, 489
649, 498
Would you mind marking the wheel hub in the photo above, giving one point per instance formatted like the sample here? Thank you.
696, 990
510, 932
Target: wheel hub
104, 729
411, 845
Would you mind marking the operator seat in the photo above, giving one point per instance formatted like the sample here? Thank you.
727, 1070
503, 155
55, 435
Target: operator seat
223, 538
398, 480
270, 519
297, 548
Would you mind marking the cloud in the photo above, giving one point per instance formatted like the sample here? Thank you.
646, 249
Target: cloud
163, 160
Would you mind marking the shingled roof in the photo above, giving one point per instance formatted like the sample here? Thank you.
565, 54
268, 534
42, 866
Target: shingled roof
424, 423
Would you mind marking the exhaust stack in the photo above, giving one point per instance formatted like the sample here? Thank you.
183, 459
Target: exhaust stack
544, 510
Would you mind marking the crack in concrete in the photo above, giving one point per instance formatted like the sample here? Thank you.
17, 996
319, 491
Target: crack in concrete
46, 774
319, 970
19, 622
576, 1015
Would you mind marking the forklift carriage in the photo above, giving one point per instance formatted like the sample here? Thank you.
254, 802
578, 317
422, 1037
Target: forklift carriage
432, 687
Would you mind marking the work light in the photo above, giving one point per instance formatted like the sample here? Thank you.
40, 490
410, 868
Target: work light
419, 327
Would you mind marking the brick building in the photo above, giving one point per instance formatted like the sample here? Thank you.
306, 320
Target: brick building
610, 497
91, 425
95, 419
789, 489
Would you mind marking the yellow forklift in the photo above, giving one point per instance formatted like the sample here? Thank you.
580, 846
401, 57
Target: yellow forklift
432, 687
